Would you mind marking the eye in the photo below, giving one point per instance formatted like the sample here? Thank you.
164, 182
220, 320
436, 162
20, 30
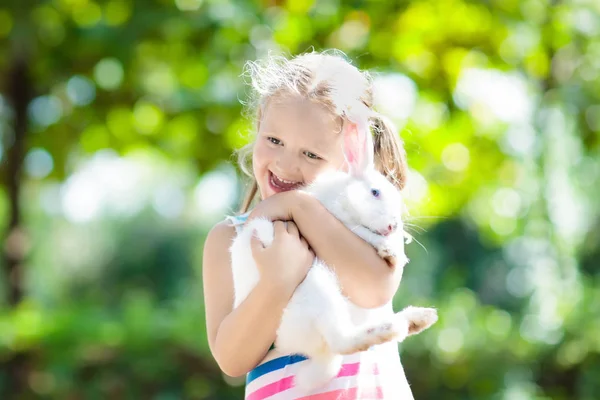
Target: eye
375, 193
273, 140
312, 155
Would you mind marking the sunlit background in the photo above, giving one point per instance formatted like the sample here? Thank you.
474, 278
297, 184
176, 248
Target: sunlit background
118, 120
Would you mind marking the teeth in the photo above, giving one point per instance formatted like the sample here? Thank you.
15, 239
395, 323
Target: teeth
284, 181
286, 184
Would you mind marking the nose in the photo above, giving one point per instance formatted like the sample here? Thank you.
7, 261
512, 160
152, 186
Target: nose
287, 166
391, 228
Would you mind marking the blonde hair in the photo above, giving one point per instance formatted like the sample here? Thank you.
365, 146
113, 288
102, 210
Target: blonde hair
329, 79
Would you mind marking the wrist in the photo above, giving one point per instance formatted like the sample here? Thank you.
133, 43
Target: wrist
299, 202
292, 201
276, 287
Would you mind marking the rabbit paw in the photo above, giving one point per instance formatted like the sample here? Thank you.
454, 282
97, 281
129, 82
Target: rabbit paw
419, 318
385, 251
391, 249
392, 256
382, 332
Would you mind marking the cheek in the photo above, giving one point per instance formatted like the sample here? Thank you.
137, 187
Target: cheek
311, 172
260, 156
342, 166
333, 165
339, 163
309, 175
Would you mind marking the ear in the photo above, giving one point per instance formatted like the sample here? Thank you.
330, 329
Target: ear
358, 147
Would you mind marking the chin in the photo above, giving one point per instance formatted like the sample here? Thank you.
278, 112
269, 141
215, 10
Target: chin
263, 185
264, 192
264, 189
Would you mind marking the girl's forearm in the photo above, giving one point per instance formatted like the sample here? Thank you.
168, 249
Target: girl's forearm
366, 278
246, 334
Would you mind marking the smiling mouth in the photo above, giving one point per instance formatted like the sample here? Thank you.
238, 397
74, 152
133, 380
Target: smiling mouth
282, 184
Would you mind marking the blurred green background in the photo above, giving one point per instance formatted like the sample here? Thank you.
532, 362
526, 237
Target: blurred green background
117, 124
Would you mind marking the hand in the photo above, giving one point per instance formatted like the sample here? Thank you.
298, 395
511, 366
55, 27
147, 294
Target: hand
287, 260
279, 206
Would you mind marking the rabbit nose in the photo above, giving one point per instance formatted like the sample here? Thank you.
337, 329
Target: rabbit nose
389, 229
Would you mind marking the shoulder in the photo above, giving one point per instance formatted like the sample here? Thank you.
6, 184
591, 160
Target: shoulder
220, 232
221, 235
218, 240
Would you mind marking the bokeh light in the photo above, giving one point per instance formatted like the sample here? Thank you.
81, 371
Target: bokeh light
45, 110
38, 163
121, 120
109, 73
81, 91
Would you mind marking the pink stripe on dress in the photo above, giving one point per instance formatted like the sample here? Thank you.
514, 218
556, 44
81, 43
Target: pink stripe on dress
348, 394
347, 370
355, 368
271, 389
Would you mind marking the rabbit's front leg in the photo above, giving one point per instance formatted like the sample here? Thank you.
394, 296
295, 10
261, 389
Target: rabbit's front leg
369, 236
391, 246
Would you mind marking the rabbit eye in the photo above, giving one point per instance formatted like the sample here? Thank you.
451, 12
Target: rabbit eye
375, 192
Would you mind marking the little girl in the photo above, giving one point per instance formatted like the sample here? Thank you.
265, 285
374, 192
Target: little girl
300, 120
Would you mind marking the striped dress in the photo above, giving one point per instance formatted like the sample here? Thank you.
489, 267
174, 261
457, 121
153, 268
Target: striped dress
372, 374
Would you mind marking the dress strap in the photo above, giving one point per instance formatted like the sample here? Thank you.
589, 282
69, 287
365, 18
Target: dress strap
238, 220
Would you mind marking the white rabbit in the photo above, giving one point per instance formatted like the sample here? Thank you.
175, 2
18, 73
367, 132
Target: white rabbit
318, 320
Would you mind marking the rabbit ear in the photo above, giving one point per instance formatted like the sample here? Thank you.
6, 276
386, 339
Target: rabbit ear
358, 147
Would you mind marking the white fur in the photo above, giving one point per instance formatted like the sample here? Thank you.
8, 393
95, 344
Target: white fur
319, 322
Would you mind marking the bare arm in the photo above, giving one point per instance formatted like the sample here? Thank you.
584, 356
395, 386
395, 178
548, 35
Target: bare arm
365, 277
238, 339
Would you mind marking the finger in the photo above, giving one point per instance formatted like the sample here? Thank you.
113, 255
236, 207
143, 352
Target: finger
311, 256
278, 228
304, 242
292, 228
256, 245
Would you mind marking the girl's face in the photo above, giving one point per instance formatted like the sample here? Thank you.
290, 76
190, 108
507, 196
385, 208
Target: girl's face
297, 139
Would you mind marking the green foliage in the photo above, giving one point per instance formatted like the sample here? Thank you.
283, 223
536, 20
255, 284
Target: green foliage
86, 351
498, 103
